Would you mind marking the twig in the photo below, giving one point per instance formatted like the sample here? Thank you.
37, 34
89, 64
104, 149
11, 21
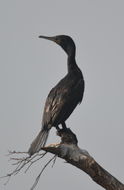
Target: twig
38, 177
54, 161
41, 156
21, 163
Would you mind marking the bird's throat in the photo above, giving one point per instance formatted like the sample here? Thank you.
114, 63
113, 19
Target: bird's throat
71, 63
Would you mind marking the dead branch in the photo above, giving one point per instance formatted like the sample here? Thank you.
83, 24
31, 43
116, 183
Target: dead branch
38, 177
26, 162
69, 151
23, 162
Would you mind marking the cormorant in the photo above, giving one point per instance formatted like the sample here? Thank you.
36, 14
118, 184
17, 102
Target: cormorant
64, 97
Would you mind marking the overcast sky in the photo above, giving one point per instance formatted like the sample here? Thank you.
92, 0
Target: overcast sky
30, 67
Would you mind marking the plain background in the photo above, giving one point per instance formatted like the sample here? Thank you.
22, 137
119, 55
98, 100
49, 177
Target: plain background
30, 67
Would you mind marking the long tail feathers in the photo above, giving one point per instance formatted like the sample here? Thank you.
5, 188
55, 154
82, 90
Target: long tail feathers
39, 141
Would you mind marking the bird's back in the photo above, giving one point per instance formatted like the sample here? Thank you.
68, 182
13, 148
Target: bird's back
63, 99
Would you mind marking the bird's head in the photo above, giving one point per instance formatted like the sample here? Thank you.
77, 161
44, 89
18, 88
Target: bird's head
64, 41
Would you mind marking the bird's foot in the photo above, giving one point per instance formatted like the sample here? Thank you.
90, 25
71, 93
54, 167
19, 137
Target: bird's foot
67, 136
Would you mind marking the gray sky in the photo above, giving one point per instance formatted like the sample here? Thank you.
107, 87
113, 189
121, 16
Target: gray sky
30, 67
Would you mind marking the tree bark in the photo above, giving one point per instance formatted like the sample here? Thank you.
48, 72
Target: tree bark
69, 151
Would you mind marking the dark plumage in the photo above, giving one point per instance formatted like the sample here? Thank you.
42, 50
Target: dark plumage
64, 97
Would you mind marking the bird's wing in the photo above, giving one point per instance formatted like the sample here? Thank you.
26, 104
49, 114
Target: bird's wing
61, 102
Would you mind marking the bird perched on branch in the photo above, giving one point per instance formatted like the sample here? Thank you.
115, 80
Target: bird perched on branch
64, 97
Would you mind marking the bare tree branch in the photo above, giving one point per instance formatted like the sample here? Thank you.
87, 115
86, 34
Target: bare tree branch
69, 151
38, 177
22, 163
27, 162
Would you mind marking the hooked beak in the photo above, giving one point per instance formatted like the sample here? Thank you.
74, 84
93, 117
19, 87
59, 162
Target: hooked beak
51, 38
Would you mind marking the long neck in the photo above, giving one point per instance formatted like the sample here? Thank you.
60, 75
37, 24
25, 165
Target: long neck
72, 66
71, 63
